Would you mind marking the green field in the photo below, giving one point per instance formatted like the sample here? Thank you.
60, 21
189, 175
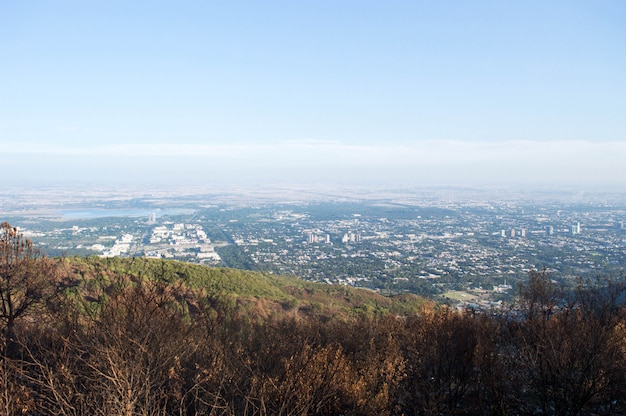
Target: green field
461, 296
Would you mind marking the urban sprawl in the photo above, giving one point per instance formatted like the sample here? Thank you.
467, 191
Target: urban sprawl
471, 250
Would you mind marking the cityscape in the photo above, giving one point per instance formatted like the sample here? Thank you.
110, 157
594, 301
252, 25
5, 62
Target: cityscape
461, 246
309, 208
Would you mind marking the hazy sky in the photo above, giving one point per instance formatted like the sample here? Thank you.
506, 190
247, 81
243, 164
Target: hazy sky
404, 92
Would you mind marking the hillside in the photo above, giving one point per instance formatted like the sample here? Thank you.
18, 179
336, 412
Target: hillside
134, 337
259, 294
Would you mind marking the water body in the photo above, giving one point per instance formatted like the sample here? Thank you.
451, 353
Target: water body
86, 214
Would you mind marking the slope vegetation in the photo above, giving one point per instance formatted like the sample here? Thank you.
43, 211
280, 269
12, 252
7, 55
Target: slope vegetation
129, 337
260, 294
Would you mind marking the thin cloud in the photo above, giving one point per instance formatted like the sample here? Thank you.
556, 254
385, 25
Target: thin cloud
448, 150
429, 161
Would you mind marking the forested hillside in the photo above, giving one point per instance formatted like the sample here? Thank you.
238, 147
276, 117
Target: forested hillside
149, 337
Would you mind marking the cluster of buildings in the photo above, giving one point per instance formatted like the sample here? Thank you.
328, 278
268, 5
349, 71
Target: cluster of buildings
179, 241
121, 246
573, 229
513, 233
465, 246
400, 245
313, 238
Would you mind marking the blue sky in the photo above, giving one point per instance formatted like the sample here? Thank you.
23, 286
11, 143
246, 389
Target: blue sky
403, 92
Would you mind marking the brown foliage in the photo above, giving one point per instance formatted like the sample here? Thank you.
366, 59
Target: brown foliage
134, 347
25, 280
569, 348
